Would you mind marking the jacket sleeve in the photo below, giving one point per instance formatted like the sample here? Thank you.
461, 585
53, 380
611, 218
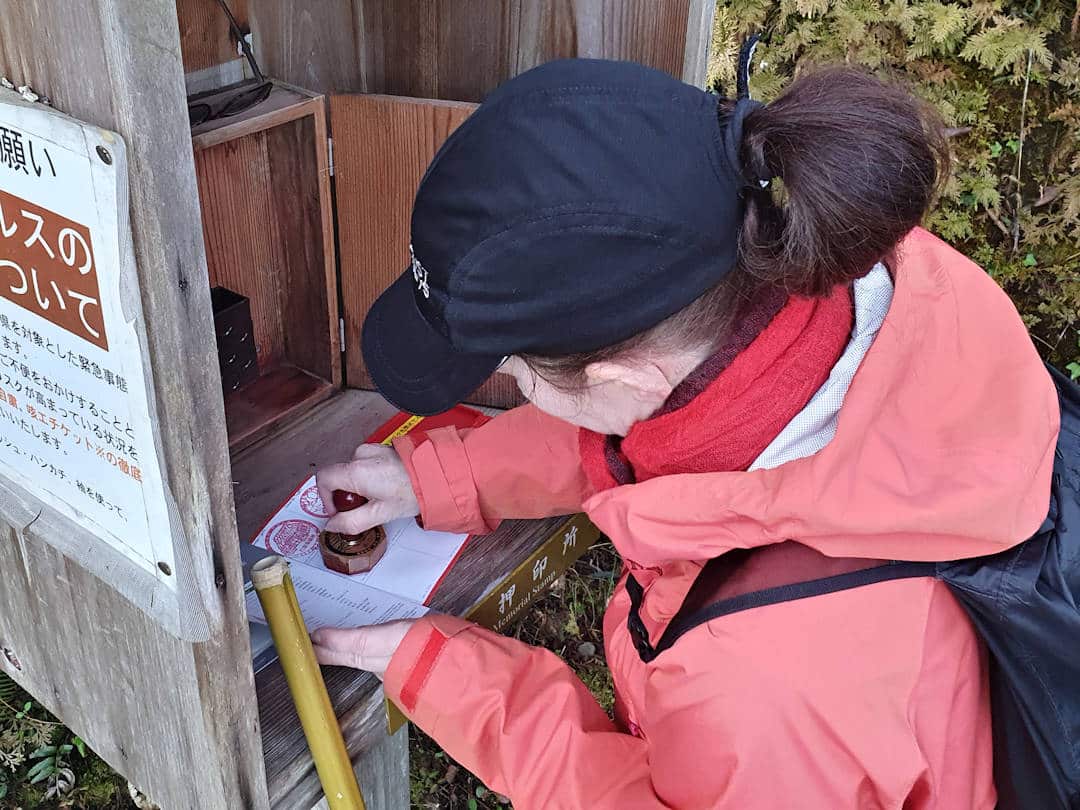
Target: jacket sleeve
526, 726
530, 729
521, 464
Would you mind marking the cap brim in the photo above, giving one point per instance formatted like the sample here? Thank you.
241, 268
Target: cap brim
411, 364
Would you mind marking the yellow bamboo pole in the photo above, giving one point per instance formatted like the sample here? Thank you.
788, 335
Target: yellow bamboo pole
277, 596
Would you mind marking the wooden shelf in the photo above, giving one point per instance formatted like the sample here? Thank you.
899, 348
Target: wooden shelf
284, 104
264, 186
257, 410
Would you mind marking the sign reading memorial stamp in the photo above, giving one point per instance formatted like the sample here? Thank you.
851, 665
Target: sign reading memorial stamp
76, 426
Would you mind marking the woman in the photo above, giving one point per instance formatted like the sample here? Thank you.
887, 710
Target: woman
751, 368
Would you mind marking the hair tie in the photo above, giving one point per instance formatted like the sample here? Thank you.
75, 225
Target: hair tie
742, 77
744, 105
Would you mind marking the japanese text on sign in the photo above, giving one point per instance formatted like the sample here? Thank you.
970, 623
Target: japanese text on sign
75, 423
47, 267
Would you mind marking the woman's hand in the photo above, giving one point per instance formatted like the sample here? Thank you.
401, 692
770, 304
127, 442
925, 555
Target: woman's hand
378, 474
366, 648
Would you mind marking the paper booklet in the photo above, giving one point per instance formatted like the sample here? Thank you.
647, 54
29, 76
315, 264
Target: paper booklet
402, 582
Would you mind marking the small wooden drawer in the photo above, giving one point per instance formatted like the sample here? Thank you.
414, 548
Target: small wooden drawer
235, 339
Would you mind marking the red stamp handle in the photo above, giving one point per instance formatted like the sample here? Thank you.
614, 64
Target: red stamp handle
347, 501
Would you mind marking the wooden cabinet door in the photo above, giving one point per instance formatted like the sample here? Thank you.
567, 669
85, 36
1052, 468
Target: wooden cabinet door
382, 145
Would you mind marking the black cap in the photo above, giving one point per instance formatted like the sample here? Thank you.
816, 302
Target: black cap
583, 202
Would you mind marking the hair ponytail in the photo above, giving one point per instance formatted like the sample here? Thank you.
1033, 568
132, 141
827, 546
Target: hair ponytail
859, 163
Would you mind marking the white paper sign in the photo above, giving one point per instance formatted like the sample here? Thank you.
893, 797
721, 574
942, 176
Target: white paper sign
75, 426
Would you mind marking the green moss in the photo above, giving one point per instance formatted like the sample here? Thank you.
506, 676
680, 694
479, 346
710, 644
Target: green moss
972, 60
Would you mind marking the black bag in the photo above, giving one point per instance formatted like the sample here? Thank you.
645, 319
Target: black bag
1024, 602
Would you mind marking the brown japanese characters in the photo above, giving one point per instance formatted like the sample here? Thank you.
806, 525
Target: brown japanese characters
351, 553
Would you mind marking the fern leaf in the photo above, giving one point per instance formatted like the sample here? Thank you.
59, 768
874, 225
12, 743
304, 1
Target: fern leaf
1005, 45
812, 8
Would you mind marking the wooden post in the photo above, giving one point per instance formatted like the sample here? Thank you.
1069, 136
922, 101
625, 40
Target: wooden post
178, 719
699, 28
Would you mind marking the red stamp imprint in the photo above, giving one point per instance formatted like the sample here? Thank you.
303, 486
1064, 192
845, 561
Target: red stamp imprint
311, 503
291, 537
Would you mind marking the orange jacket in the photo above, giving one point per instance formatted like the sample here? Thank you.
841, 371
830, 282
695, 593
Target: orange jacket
869, 698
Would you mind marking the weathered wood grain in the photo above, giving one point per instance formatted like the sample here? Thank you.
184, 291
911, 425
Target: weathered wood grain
699, 27
178, 719
205, 38
382, 146
299, 171
383, 773
398, 47
242, 236
278, 396
458, 49
477, 42
266, 476
311, 45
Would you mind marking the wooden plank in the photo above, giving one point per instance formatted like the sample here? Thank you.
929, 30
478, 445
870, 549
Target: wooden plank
156, 708
303, 209
266, 475
284, 104
383, 773
652, 32
205, 38
699, 28
275, 398
470, 66
382, 146
243, 241
312, 45
399, 44
460, 49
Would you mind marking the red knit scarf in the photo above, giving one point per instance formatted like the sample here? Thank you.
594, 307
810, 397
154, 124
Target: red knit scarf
727, 411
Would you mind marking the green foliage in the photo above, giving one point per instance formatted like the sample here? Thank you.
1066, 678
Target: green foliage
1005, 77
43, 765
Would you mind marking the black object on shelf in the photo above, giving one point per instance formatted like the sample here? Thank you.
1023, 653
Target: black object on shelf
235, 339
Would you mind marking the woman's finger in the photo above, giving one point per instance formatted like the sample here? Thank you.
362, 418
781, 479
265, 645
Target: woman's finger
370, 451
357, 520
335, 658
367, 648
334, 476
341, 648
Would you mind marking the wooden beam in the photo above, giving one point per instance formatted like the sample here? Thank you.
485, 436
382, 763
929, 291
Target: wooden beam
205, 38
178, 719
459, 50
699, 27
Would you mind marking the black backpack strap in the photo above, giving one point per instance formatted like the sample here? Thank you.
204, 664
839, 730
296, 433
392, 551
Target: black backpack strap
681, 623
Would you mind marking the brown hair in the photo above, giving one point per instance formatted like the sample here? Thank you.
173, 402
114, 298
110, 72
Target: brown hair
852, 165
